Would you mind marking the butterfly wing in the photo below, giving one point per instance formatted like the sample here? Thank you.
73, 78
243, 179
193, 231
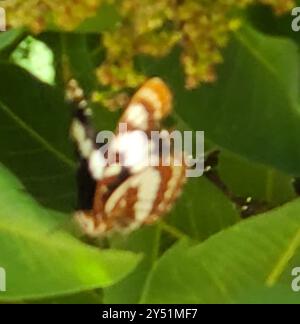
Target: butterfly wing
141, 199
150, 104
126, 197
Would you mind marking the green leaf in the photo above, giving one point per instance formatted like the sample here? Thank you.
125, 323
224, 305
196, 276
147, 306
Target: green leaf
77, 51
43, 261
130, 289
34, 141
76, 48
85, 298
276, 295
247, 179
253, 108
203, 210
105, 19
264, 19
260, 252
10, 37
251, 120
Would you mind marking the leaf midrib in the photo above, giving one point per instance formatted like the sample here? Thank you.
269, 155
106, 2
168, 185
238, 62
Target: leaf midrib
284, 260
31, 132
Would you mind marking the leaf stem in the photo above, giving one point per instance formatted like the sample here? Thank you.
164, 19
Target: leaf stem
156, 244
171, 230
37, 137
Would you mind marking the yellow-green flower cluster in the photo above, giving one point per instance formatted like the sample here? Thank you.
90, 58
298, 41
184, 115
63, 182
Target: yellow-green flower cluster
38, 14
151, 27
200, 27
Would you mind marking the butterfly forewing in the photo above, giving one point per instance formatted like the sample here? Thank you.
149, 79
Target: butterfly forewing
151, 103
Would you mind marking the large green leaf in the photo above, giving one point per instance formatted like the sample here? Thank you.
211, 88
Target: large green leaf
257, 253
34, 141
253, 108
275, 295
203, 210
248, 179
129, 291
85, 298
43, 261
79, 56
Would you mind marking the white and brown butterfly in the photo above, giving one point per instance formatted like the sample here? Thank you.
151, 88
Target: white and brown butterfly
118, 198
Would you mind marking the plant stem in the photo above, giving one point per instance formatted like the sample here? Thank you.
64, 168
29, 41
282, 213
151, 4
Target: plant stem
171, 230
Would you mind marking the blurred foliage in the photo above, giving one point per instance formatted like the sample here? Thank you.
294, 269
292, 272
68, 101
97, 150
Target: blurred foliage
242, 61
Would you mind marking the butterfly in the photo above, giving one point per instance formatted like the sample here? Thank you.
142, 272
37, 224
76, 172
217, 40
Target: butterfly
122, 197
